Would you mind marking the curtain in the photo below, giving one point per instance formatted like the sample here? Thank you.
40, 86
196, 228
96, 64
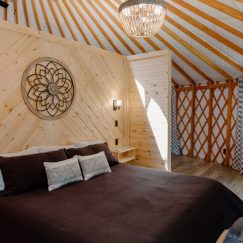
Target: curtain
175, 146
238, 158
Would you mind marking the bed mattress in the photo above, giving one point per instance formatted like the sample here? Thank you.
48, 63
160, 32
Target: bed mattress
131, 204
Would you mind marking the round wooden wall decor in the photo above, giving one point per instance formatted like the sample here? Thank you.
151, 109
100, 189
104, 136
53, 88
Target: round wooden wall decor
48, 88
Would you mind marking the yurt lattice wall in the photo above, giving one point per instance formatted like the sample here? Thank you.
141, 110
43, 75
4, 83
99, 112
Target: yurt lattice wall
206, 119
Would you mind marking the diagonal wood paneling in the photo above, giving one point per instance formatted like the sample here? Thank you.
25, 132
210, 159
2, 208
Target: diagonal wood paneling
100, 78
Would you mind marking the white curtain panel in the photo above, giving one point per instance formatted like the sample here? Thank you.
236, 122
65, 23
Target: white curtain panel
175, 146
238, 158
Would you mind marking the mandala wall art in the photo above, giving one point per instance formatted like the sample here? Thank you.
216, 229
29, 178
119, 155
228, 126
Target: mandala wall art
48, 88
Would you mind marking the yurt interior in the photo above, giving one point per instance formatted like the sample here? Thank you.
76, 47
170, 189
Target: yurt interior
121, 121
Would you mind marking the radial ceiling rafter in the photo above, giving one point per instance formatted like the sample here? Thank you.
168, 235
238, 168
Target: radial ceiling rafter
56, 18
209, 18
76, 22
91, 15
114, 31
46, 17
224, 8
88, 25
102, 15
203, 27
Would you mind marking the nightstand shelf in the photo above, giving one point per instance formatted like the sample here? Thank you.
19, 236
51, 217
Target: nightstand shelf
125, 154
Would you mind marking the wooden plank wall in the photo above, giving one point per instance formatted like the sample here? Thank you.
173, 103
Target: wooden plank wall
210, 133
100, 76
149, 94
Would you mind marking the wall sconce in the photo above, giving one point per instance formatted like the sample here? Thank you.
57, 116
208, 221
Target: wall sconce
117, 104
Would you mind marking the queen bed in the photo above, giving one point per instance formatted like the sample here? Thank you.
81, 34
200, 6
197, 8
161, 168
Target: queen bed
130, 204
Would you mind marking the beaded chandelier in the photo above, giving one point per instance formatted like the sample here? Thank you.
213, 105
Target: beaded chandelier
142, 18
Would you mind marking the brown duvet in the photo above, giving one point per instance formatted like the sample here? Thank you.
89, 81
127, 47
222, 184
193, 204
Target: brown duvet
131, 204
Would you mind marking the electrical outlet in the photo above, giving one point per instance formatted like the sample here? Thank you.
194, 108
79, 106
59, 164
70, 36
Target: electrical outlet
116, 141
116, 123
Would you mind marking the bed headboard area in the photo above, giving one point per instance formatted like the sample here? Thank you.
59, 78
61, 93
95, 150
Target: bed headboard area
100, 77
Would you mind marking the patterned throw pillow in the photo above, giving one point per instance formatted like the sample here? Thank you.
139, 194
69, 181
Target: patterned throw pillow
26, 172
62, 173
93, 165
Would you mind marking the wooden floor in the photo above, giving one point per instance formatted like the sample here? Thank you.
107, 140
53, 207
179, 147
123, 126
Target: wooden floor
191, 166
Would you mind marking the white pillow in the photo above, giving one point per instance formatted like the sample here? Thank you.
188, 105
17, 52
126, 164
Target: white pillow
45, 149
28, 151
93, 165
32, 150
62, 173
87, 143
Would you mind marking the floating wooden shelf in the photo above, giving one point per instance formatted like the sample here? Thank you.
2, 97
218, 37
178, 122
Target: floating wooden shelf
125, 154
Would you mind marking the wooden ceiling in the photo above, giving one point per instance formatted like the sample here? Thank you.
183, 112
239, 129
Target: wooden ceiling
205, 36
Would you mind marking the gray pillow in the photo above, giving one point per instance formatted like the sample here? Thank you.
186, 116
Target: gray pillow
93, 165
62, 173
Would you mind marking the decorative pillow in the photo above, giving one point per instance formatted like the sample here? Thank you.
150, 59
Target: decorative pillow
87, 143
23, 173
44, 149
93, 165
62, 173
92, 149
32, 150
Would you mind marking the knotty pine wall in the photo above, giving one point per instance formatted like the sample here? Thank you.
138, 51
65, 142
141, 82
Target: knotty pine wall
100, 77
206, 119
150, 92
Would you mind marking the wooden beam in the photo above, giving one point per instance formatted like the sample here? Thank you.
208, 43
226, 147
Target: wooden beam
6, 12
56, 18
196, 52
66, 21
99, 26
224, 9
120, 38
210, 18
192, 121
210, 121
26, 13
204, 28
16, 12
86, 22
228, 126
46, 16
76, 22
205, 44
186, 75
36, 15
213, 85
